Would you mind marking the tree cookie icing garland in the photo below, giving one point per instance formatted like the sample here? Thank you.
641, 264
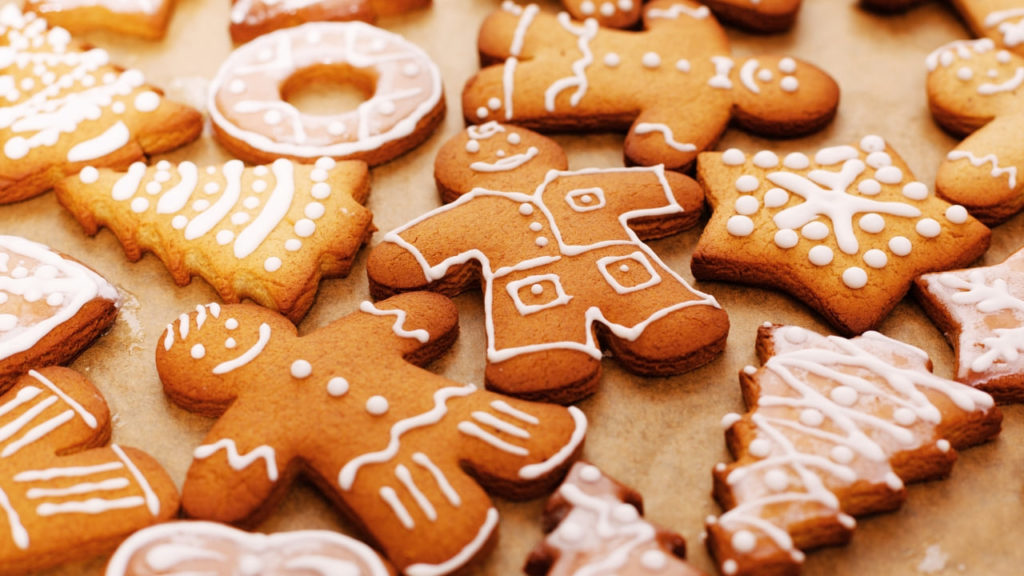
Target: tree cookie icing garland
143, 18
62, 107
254, 123
835, 428
550, 72
400, 450
64, 494
560, 259
974, 90
252, 18
217, 550
754, 15
845, 232
595, 526
268, 233
981, 312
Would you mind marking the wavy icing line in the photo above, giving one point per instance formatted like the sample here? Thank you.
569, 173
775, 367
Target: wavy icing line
997, 171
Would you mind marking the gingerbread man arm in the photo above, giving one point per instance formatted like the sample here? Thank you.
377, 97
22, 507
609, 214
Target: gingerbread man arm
420, 326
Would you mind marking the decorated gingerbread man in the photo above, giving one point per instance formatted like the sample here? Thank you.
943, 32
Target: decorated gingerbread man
63, 495
674, 85
754, 15
835, 429
974, 90
400, 449
560, 259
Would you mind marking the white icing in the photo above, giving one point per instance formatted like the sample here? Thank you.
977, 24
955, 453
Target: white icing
997, 171
240, 461
666, 132
398, 327
248, 356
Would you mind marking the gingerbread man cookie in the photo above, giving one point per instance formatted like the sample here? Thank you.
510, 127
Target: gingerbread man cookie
252, 18
143, 18
595, 526
51, 307
64, 494
66, 107
754, 15
399, 449
974, 91
214, 549
1001, 21
981, 312
845, 232
560, 258
835, 429
268, 233
554, 73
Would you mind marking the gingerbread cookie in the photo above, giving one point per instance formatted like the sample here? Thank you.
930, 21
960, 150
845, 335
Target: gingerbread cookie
981, 312
64, 494
254, 122
561, 260
558, 74
143, 18
390, 443
51, 307
974, 91
67, 107
754, 15
252, 18
214, 549
594, 526
268, 233
1002, 21
835, 428
845, 232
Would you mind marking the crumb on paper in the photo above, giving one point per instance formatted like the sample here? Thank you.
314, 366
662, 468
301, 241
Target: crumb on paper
129, 313
934, 560
115, 420
191, 90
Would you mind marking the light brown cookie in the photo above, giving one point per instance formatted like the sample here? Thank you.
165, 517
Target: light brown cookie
402, 451
981, 312
268, 233
405, 97
143, 18
561, 260
595, 526
552, 73
844, 232
64, 494
757, 16
1001, 21
252, 18
51, 307
65, 107
214, 549
835, 428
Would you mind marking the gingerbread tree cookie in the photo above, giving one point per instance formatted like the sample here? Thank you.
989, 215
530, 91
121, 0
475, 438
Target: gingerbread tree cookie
981, 312
268, 233
754, 15
64, 494
66, 107
974, 91
835, 429
845, 232
554, 73
143, 18
595, 526
560, 258
401, 450
252, 18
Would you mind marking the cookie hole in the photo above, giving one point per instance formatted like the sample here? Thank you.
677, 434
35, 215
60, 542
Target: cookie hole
326, 90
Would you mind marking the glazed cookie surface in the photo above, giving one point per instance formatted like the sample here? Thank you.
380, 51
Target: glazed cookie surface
143, 18
551, 73
64, 494
252, 18
561, 260
835, 428
65, 107
251, 119
269, 233
401, 451
845, 231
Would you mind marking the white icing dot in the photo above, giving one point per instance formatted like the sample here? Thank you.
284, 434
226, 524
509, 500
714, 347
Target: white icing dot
231, 324
786, 238
744, 541
230, 344
843, 395
179, 222
733, 157
587, 8
89, 175
916, 191
272, 264
956, 214
760, 448
872, 223
1003, 56
814, 231
900, 245
796, 161
789, 84
878, 160
225, 237
321, 190
211, 170
766, 159
875, 258
893, 481
239, 218
776, 480
729, 567
654, 560
811, 417
928, 227
612, 60
731, 418
747, 183
741, 226
747, 205
625, 5
337, 386
525, 209
153, 187
787, 65
318, 175
139, 205
293, 244
537, 289
820, 255
855, 277
765, 75
387, 107
904, 416
872, 143
683, 65
607, 9
273, 117
482, 112
305, 228
198, 351
541, 241
841, 454
472, 146
625, 513
965, 73
943, 445
536, 226
775, 198
377, 405
651, 60
314, 210
200, 205
571, 532
889, 175
590, 474
236, 86
118, 107
147, 101
212, 187
325, 163
301, 369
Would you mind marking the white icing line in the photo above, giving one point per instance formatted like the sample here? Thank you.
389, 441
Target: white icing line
1009, 85
152, 502
997, 171
442, 482
247, 356
38, 432
473, 431
240, 461
649, 127
464, 555
532, 471
89, 419
418, 334
389, 496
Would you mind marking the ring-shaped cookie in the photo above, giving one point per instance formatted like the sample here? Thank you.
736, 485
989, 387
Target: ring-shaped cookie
253, 121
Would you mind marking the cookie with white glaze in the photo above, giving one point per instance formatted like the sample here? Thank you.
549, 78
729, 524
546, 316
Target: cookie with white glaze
845, 230
143, 18
835, 428
268, 233
65, 107
252, 18
552, 73
405, 453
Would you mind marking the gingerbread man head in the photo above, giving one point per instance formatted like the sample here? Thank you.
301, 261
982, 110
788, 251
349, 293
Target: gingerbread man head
673, 84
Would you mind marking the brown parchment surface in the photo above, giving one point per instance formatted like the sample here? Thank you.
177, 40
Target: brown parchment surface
660, 435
